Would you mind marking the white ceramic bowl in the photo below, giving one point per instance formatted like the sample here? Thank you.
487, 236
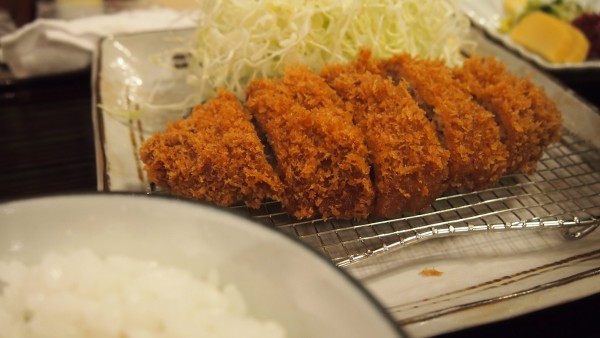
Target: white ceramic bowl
280, 277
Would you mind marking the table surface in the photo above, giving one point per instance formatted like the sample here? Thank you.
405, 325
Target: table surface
47, 147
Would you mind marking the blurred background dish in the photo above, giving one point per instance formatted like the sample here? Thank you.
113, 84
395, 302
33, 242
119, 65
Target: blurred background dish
488, 15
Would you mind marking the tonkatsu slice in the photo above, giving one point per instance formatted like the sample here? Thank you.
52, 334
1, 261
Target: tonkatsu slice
215, 155
321, 155
409, 163
530, 121
478, 158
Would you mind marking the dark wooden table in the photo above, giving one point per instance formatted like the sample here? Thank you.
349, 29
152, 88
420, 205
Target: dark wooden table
46, 135
47, 147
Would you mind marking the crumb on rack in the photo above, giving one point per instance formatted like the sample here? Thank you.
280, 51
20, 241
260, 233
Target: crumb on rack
431, 272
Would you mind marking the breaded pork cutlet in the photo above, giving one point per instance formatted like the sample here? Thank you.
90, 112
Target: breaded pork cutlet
409, 163
215, 155
529, 119
321, 155
478, 158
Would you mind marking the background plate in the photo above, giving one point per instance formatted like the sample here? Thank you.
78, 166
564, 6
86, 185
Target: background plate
488, 14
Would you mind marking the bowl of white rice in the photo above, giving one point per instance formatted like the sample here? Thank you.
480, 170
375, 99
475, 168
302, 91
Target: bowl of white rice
137, 266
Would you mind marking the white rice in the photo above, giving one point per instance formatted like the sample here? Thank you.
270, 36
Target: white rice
83, 295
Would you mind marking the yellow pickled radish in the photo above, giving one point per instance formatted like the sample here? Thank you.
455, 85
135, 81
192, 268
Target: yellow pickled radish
555, 40
580, 48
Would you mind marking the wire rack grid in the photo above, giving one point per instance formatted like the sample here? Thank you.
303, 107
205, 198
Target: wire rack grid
563, 193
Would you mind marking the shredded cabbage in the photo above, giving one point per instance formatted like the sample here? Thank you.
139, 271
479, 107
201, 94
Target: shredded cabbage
236, 41
239, 40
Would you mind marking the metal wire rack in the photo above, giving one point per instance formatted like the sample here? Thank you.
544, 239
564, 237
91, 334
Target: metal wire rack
564, 193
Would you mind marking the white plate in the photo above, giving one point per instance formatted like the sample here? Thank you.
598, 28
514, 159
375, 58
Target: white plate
127, 64
132, 74
488, 14
484, 278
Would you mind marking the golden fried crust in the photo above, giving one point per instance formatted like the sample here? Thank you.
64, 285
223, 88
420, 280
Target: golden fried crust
321, 156
215, 155
531, 121
363, 63
478, 158
409, 163
368, 137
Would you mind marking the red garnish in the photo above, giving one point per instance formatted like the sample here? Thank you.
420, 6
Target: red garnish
589, 24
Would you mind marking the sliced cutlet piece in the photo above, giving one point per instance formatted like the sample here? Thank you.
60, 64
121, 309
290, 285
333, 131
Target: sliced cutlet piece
215, 155
321, 155
470, 132
530, 120
409, 163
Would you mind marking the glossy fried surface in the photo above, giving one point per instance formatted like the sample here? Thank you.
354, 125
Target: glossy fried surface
530, 120
409, 163
321, 155
215, 155
470, 132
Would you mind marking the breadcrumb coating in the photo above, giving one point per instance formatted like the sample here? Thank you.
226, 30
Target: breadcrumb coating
215, 155
376, 137
321, 155
409, 163
364, 63
470, 132
530, 120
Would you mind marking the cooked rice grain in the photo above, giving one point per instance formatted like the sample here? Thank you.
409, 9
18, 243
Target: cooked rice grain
83, 295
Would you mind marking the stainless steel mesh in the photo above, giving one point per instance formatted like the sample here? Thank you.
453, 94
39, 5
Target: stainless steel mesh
564, 193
